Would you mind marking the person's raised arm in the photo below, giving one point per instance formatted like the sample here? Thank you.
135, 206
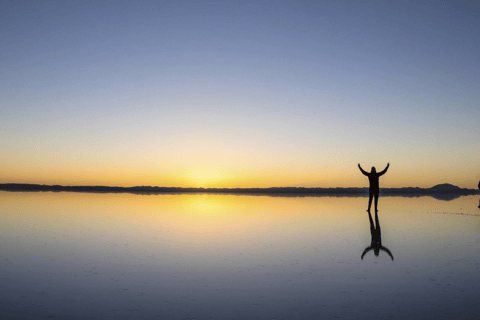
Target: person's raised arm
363, 171
384, 170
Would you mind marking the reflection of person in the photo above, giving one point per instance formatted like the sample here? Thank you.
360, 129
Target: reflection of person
373, 177
479, 188
376, 244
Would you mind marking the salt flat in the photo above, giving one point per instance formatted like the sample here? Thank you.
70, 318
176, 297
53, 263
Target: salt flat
203, 256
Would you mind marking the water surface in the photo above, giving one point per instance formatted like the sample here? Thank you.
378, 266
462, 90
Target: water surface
204, 256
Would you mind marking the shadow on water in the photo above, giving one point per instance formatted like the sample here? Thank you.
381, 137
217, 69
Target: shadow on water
376, 244
446, 196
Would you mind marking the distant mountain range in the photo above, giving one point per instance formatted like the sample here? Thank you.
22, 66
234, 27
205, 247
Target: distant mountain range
444, 191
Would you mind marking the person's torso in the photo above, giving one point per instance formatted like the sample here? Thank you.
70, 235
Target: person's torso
373, 178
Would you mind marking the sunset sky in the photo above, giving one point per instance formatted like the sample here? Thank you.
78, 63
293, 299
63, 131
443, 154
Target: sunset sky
239, 93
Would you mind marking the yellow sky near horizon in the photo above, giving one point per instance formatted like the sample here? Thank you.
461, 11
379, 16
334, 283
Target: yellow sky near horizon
236, 176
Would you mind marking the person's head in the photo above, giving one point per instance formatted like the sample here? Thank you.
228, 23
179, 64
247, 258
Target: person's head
373, 170
376, 251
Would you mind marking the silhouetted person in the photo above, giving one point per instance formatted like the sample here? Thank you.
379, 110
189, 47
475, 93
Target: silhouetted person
374, 189
479, 188
376, 244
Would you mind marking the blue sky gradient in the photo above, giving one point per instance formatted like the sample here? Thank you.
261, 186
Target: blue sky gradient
239, 93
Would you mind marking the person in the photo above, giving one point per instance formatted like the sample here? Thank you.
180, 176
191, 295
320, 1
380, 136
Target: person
376, 244
374, 189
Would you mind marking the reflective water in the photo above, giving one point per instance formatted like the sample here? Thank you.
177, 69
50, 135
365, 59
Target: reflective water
192, 256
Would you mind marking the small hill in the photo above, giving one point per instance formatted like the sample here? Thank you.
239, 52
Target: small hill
445, 187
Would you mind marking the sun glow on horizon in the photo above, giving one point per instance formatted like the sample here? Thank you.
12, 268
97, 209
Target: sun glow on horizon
205, 176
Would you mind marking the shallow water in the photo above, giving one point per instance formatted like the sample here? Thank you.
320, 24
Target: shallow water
193, 256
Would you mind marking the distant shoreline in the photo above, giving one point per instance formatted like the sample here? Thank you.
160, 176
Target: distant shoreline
443, 191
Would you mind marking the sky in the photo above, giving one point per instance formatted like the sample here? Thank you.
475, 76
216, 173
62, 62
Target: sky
239, 93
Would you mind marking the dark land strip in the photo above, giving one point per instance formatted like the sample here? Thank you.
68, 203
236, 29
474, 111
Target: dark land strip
442, 191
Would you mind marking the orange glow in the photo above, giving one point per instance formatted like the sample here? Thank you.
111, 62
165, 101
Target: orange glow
239, 174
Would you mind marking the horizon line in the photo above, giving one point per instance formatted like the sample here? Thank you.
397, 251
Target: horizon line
444, 187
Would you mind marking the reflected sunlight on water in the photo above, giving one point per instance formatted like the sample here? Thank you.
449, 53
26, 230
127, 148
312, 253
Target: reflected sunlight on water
119, 256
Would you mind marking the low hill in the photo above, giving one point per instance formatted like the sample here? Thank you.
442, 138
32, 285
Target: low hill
445, 187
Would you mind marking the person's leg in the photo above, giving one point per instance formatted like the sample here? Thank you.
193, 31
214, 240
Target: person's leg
376, 201
370, 196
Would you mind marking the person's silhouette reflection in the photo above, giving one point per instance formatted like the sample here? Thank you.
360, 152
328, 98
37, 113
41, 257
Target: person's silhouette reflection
376, 244
374, 189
